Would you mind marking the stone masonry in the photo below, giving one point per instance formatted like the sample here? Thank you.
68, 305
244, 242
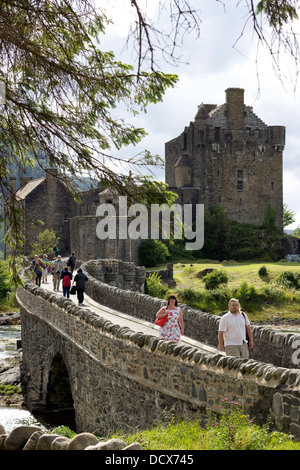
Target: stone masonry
119, 379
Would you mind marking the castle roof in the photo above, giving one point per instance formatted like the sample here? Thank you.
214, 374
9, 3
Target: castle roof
216, 116
28, 187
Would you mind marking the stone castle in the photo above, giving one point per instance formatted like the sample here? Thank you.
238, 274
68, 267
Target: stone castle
227, 157
49, 200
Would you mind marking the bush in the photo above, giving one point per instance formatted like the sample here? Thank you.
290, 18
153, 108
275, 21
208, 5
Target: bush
231, 429
153, 252
252, 298
45, 242
214, 279
5, 284
210, 301
154, 286
289, 280
262, 271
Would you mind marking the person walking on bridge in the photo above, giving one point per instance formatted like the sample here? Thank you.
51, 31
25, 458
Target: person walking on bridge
71, 262
66, 277
235, 336
58, 268
80, 279
174, 326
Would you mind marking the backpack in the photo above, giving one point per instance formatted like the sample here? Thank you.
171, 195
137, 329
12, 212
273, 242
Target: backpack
66, 280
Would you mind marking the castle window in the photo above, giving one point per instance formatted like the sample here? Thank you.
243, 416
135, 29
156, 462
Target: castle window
240, 174
239, 185
217, 134
272, 185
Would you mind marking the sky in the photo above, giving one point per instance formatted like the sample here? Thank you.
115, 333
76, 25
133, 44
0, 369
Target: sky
220, 58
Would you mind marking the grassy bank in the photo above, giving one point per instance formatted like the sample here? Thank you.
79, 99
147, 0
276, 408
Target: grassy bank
230, 429
262, 296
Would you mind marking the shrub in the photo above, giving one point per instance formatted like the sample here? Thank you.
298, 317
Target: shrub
64, 431
215, 278
154, 286
231, 429
5, 284
153, 252
262, 271
210, 301
45, 242
289, 280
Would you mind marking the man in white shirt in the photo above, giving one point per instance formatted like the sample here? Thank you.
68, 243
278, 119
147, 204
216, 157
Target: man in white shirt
232, 332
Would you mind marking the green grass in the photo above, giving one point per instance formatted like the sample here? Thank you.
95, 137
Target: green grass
263, 297
9, 390
230, 429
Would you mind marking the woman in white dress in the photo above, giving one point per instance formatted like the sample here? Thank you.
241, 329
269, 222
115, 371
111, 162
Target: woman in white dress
174, 326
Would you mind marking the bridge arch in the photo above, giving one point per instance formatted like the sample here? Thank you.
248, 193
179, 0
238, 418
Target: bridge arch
59, 398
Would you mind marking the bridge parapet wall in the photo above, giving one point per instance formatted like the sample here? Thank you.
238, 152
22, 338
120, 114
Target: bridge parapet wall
277, 348
121, 379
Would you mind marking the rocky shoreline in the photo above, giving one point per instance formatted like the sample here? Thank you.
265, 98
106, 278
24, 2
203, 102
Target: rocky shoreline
10, 374
10, 368
10, 318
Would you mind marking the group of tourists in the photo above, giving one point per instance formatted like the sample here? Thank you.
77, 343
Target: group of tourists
61, 271
234, 334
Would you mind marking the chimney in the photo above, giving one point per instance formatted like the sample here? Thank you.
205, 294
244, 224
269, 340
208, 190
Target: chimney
235, 107
13, 184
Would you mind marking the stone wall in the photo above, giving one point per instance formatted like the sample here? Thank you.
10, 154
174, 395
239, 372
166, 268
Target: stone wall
122, 274
166, 275
120, 379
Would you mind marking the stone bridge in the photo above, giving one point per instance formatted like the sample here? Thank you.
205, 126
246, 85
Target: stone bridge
113, 375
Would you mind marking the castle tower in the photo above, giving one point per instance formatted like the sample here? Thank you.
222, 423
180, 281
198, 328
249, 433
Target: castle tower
228, 157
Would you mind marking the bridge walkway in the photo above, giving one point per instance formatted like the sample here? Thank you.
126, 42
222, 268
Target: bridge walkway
122, 319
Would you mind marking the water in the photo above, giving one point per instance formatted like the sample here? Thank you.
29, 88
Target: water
8, 340
12, 416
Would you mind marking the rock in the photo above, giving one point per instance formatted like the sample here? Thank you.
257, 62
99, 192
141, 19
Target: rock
83, 440
45, 441
10, 318
32, 442
60, 443
11, 376
113, 444
133, 446
18, 437
2, 441
2, 430
10, 372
